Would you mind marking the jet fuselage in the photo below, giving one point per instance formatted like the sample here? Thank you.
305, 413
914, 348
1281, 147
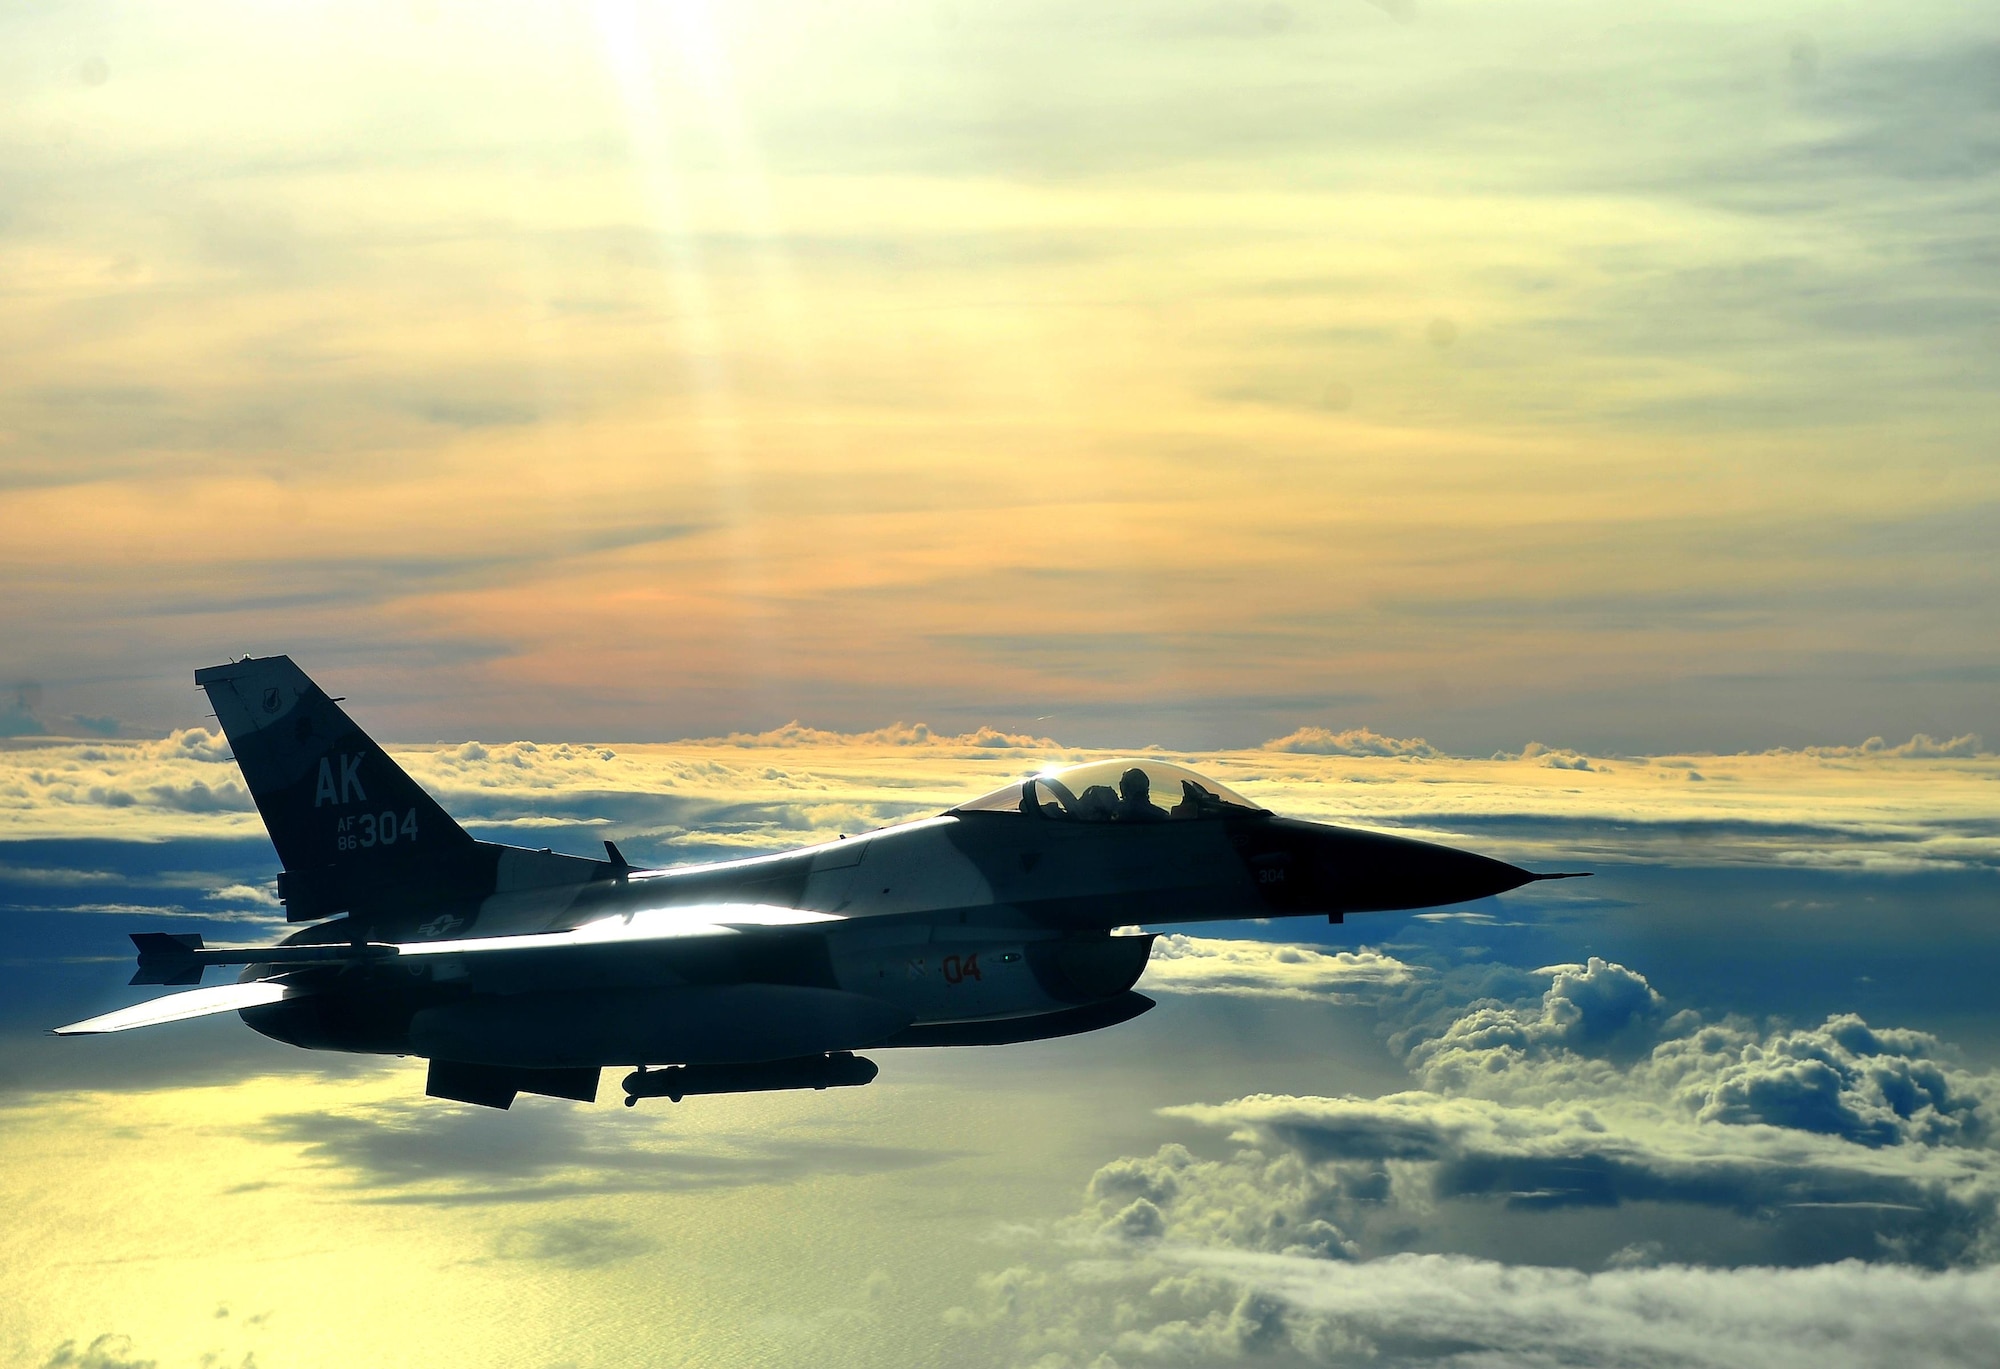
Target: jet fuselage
1013, 917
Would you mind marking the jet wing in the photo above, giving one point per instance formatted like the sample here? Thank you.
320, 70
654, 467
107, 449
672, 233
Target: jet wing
179, 958
166, 958
178, 1007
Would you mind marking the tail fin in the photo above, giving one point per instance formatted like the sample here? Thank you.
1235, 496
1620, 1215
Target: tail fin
350, 826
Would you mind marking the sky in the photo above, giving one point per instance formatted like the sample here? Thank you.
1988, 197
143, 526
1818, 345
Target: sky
1561, 430
1188, 371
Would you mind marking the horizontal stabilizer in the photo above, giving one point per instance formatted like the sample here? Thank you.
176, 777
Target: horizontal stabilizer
166, 943
178, 1007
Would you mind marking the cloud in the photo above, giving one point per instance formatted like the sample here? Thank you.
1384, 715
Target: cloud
431, 1153
1554, 757
1873, 1087
1308, 1238
897, 734
1591, 1009
1596, 1095
1175, 1303
1264, 969
196, 796
524, 767
1922, 746
190, 771
199, 744
108, 1351
1355, 741
260, 895
670, 802
573, 1243
1603, 1028
1452, 1310
1933, 1205
1248, 1201
56, 875
17, 719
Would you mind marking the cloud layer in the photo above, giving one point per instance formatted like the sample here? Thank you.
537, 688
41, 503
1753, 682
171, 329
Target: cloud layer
1355, 741
1263, 969
1184, 1304
1852, 1167
1884, 809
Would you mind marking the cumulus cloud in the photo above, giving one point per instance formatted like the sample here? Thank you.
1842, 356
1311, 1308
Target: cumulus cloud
1470, 1312
177, 784
198, 744
1932, 1205
1355, 741
1247, 1202
1602, 1029
1594, 1008
1554, 757
1176, 1303
1844, 1078
1596, 1095
1190, 964
1812, 1146
516, 766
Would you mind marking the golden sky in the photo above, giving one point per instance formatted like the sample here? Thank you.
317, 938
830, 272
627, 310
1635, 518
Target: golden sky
1561, 429
1179, 373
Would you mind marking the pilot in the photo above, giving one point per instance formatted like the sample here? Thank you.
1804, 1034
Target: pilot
1135, 798
1098, 803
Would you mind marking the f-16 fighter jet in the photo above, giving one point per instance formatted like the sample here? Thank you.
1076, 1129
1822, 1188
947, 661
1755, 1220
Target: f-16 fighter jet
516, 970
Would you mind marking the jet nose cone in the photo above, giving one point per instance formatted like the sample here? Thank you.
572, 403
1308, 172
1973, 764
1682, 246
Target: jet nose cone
1360, 872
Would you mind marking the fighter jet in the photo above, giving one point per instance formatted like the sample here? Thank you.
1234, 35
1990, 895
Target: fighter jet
527, 971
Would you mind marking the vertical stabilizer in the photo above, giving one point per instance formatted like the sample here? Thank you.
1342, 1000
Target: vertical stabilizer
353, 830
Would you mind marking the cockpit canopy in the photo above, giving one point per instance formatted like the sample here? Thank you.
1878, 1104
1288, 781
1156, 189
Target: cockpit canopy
1115, 791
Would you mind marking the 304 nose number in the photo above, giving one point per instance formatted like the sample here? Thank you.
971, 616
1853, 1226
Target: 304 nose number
358, 831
